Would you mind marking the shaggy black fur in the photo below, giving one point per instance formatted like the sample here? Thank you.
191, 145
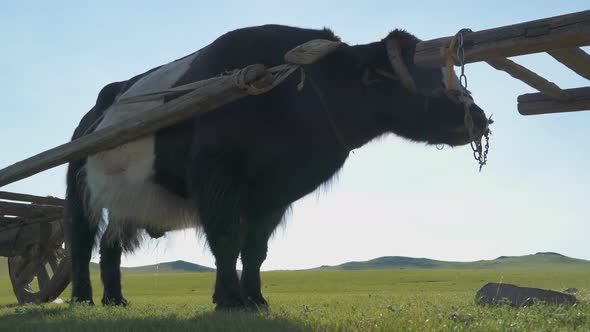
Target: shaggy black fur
245, 163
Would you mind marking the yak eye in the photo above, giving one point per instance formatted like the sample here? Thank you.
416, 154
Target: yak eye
377, 75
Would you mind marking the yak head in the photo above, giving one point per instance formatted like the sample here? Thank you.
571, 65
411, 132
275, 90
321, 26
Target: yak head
414, 102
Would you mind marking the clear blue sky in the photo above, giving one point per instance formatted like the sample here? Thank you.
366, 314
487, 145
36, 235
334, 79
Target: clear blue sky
392, 197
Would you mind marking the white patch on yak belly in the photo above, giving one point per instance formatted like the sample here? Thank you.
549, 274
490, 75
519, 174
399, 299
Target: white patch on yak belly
120, 179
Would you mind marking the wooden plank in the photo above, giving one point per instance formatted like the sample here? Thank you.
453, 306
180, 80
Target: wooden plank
538, 103
219, 91
47, 200
565, 31
575, 59
29, 210
9, 220
532, 79
15, 240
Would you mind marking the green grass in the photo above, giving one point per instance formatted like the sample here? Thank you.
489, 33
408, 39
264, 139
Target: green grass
391, 300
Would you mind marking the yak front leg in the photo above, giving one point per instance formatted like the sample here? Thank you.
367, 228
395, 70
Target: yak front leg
259, 230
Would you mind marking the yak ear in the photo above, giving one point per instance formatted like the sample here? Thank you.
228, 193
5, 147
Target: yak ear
407, 43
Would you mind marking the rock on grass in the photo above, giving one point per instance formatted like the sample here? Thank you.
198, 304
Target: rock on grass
495, 293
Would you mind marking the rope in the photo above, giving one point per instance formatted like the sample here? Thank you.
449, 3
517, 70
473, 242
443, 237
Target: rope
345, 147
448, 53
276, 75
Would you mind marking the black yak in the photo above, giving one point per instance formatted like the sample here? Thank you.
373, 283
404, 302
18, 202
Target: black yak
233, 172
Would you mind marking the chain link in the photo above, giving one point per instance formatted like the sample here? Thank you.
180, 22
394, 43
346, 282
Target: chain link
480, 153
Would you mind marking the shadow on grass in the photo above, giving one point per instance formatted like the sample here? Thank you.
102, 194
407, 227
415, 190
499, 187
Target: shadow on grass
42, 318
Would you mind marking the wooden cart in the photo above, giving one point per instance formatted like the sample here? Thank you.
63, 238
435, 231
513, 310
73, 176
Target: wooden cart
32, 237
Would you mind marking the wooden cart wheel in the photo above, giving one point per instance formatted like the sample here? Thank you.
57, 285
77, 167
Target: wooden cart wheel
32, 237
52, 273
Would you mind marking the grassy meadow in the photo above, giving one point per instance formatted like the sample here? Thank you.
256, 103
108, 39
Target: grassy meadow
389, 300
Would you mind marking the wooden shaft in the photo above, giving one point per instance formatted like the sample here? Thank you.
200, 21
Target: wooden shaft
575, 59
565, 31
517, 71
219, 91
538, 103
48, 200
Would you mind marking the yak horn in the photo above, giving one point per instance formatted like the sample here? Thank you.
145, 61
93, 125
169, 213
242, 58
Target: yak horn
394, 54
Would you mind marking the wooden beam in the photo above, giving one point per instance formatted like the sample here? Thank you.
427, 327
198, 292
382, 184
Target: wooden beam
30, 210
538, 103
47, 200
565, 31
532, 79
10, 220
218, 92
575, 59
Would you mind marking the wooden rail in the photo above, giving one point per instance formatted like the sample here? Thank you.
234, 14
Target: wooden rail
29, 210
47, 200
559, 36
559, 32
539, 103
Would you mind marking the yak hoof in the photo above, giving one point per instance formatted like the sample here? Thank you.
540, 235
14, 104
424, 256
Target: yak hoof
257, 302
226, 307
114, 301
230, 303
77, 300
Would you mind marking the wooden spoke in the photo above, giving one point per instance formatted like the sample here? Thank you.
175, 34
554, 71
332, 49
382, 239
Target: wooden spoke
42, 277
51, 285
53, 263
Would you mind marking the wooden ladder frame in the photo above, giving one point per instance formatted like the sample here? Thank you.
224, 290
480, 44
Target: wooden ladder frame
559, 36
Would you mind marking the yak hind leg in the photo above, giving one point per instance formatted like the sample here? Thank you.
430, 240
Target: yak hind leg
215, 187
253, 254
111, 249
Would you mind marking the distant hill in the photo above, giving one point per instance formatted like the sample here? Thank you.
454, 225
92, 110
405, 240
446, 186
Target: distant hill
168, 267
541, 260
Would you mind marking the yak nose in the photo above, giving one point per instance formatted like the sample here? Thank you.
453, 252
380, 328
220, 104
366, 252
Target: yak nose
480, 119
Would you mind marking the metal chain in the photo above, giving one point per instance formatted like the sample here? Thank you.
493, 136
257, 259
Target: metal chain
461, 56
480, 153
